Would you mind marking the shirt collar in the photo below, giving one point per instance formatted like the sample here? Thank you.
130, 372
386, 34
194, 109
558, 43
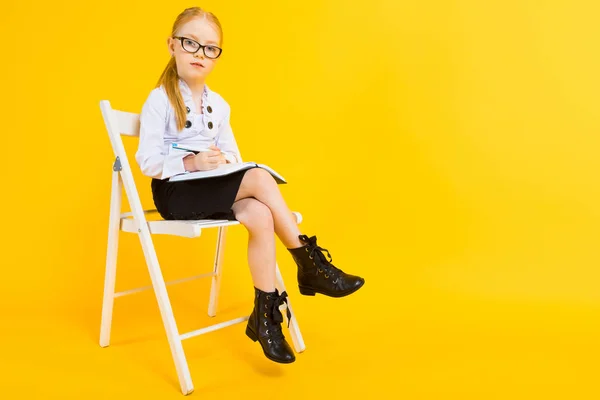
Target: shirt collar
186, 92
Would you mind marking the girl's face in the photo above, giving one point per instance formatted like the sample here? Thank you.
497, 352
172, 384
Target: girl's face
195, 34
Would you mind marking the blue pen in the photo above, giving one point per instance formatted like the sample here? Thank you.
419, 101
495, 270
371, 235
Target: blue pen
184, 148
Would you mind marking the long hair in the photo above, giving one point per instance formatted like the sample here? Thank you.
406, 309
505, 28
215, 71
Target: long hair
169, 78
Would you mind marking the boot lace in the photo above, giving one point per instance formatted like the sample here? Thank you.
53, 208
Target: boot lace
274, 303
316, 252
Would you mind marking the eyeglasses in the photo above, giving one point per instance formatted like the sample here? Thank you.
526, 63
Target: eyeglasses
191, 46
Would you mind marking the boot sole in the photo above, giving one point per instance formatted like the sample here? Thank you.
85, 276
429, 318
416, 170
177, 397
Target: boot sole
308, 291
254, 338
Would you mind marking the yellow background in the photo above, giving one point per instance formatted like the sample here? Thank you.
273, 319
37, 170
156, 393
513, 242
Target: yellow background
445, 150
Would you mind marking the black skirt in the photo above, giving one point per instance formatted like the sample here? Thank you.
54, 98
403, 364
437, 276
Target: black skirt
209, 198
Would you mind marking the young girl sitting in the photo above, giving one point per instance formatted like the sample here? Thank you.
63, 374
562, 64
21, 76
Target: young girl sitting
183, 109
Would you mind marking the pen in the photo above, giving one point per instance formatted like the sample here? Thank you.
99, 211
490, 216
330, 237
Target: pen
195, 151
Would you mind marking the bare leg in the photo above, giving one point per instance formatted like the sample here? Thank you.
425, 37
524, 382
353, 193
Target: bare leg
257, 219
315, 274
259, 184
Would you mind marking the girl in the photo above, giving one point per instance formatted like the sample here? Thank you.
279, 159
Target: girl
183, 109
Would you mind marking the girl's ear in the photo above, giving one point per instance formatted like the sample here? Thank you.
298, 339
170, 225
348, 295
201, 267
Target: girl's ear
170, 46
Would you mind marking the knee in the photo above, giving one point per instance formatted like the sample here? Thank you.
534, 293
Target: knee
261, 177
256, 216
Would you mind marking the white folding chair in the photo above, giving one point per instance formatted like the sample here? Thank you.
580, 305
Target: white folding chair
124, 123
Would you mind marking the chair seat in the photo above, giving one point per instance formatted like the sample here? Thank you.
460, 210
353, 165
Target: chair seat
184, 228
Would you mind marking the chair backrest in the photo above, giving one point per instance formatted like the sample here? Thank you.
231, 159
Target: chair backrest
128, 124
123, 123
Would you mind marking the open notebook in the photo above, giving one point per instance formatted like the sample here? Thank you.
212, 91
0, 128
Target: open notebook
226, 169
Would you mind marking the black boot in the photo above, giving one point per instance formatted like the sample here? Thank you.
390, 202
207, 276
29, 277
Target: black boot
316, 274
264, 325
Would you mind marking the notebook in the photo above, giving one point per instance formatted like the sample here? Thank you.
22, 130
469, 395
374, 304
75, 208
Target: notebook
226, 169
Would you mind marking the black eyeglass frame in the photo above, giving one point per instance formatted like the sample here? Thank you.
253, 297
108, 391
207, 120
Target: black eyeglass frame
202, 47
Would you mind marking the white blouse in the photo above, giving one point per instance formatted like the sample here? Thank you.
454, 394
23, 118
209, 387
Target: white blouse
158, 129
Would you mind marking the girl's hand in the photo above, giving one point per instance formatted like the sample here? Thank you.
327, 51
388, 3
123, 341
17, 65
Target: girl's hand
207, 160
222, 160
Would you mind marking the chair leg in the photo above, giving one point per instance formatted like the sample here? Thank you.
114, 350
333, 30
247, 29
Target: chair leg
294, 328
215, 286
166, 311
111, 259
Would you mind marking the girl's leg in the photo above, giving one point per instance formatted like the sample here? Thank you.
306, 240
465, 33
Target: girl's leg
259, 184
258, 220
316, 273
264, 322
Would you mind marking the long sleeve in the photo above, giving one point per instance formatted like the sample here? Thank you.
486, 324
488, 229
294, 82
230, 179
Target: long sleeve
153, 155
226, 141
